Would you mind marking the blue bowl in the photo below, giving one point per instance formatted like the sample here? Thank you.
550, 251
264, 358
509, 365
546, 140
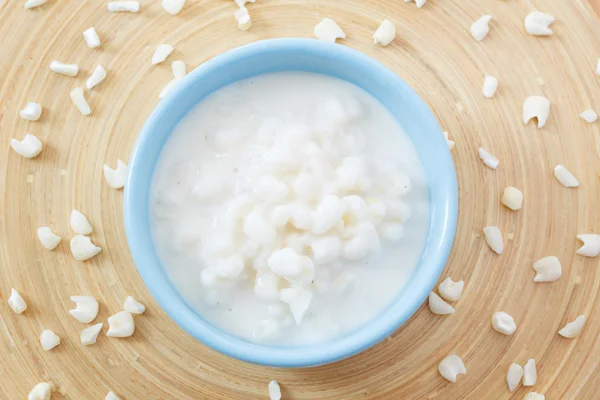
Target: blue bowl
310, 56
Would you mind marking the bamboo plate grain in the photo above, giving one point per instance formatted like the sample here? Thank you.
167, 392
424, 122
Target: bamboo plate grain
436, 55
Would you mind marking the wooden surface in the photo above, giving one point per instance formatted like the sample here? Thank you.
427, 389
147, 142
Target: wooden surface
436, 55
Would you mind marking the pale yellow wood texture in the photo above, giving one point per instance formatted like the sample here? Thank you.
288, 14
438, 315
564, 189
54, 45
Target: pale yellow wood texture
436, 55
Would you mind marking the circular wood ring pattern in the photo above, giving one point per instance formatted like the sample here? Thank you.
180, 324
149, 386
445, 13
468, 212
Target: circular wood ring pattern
434, 53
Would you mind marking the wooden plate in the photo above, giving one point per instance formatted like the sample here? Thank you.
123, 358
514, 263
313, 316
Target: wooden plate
436, 55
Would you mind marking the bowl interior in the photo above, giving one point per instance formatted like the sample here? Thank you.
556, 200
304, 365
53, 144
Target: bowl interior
310, 56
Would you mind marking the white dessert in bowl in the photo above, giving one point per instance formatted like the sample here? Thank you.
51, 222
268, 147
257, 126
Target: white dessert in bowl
289, 208
253, 228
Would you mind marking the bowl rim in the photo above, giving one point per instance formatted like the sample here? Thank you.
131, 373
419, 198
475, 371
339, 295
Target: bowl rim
177, 308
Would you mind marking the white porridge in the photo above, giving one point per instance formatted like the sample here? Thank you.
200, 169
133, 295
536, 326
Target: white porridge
289, 208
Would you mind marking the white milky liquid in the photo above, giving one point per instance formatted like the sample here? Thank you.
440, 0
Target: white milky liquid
216, 156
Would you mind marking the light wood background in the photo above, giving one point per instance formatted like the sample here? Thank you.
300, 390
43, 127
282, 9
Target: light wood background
436, 55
